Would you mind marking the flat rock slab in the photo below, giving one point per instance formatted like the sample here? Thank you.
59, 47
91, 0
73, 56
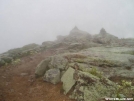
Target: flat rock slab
68, 80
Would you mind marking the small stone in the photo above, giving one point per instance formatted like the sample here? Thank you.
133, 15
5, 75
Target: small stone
24, 74
3, 77
20, 93
12, 90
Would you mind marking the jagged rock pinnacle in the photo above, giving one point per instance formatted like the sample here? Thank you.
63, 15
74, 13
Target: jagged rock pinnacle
102, 31
75, 28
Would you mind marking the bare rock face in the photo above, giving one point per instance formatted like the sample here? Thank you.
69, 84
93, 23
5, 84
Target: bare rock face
52, 76
90, 87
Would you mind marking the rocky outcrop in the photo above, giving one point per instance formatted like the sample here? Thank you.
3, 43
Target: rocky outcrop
105, 38
91, 88
16, 53
85, 75
58, 61
93, 57
76, 32
84, 69
76, 36
87, 40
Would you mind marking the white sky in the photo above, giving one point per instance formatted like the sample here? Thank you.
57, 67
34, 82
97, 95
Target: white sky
34, 21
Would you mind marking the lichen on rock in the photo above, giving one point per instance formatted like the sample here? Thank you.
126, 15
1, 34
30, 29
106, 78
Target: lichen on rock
42, 67
52, 75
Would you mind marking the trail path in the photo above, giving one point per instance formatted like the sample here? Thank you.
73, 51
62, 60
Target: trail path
17, 83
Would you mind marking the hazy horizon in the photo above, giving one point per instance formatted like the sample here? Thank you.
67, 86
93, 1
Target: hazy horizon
35, 21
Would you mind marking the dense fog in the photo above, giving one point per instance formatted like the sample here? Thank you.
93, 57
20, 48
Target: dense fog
34, 21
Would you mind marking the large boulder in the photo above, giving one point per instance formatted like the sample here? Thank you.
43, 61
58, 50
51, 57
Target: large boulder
91, 88
52, 75
42, 67
68, 80
58, 61
93, 92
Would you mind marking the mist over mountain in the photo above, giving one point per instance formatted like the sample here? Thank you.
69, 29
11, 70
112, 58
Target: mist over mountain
31, 21
66, 50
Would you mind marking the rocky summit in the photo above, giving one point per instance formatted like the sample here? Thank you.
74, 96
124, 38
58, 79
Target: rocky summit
92, 67
88, 67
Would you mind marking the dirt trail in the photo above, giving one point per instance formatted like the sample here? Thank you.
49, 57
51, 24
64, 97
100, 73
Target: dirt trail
17, 83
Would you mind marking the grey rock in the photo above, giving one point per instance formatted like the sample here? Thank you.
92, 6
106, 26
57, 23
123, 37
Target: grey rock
52, 75
90, 88
58, 61
68, 80
105, 38
42, 67
24, 74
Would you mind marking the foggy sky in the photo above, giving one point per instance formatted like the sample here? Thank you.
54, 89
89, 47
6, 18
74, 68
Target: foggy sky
34, 21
